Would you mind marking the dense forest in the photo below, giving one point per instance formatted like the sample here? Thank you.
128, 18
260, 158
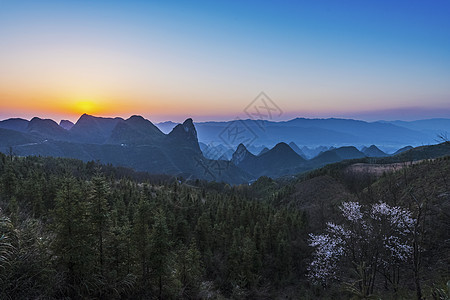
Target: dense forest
74, 230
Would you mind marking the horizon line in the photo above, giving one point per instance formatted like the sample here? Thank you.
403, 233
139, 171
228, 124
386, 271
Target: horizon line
224, 120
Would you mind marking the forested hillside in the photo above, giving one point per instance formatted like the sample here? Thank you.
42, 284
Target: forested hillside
78, 230
67, 230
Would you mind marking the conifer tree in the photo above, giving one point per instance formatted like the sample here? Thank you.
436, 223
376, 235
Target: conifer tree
72, 241
160, 250
99, 210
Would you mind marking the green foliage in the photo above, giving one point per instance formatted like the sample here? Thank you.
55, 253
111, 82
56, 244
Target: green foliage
70, 229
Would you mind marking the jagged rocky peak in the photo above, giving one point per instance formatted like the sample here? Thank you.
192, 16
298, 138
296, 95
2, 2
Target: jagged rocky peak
241, 147
240, 154
185, 135
187, 128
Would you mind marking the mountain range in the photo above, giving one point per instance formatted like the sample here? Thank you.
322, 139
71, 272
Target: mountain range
138, 143
391, 135
134, 142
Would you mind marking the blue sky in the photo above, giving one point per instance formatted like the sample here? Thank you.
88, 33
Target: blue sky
209, 59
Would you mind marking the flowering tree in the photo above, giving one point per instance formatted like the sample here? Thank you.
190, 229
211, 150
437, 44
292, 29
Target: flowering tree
369, 240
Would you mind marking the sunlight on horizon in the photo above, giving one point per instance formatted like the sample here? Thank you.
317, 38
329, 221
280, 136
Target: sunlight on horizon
87, 106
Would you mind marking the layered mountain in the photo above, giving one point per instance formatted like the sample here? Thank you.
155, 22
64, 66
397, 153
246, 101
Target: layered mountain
373, 151
93, 130
315, 132
137, 143
297, 149
134, 142
314, 151
135, 131
335, 155
432, 127
47, 128
278, 161
66, 124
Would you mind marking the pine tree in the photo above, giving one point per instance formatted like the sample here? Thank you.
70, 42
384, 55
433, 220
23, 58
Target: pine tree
99, 210
189, 270
160, 250
71, 245
141, 236
9, 181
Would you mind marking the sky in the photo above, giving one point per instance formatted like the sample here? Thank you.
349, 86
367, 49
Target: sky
170, 60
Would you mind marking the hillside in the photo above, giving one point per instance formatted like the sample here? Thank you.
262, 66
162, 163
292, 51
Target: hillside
54, 219
268, 221
422, 187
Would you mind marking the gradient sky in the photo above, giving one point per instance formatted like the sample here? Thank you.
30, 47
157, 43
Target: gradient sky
170, 60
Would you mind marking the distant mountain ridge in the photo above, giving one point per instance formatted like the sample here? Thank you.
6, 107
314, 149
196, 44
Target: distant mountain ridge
326, 132
137, 143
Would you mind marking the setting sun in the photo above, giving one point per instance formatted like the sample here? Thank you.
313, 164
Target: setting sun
86, 106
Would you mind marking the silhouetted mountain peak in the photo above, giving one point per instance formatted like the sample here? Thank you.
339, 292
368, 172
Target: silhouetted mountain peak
135, 131
188, 126
66, 124
46, 128
136, 118
335, 155
89, 118
348, 152
241, 148
85, 117
282, 151
140, 123
42, 123
185, 135
241, 154
93, 129
282, 147
185, 129
373, 151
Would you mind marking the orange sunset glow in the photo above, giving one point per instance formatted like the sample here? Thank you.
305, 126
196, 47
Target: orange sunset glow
139, 60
